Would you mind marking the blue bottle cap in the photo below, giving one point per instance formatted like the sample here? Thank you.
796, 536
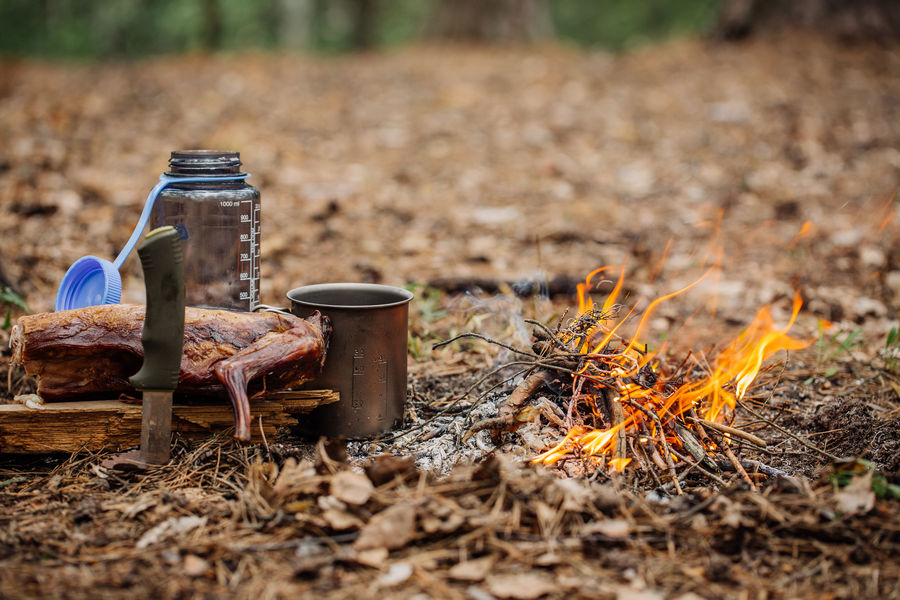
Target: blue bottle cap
88, 282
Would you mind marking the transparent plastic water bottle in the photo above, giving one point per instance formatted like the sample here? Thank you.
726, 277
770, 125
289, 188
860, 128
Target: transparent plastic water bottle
218, 222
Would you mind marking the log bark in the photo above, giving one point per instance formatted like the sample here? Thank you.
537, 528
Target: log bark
116, 425
90, 351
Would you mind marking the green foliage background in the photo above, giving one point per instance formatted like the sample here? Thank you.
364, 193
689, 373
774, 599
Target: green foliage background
101, 29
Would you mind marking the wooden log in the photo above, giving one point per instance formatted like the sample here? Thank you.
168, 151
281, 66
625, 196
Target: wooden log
116, 425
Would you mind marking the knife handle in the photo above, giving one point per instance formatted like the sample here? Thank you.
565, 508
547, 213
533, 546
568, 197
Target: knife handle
163, 334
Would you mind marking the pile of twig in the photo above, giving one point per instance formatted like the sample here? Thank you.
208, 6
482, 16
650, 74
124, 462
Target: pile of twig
617, 397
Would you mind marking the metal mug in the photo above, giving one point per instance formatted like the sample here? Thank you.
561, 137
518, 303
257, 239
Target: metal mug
366, 360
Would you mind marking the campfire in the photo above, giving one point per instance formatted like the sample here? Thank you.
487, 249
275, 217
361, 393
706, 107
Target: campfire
625, 406
628, 405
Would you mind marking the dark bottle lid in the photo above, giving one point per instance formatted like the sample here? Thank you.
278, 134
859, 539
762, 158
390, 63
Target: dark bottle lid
204, 163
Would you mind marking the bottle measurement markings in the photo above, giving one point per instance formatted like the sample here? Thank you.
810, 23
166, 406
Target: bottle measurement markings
250, 274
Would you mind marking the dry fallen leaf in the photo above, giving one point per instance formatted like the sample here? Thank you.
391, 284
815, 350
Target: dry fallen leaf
857, 496
549, 559
614, 528
472, 570
194, 566
524, 586
575, 496
295, 478
397, 574
384, 468
372, 558
352, 488
340, 519
625, 593
169, 528
391, 529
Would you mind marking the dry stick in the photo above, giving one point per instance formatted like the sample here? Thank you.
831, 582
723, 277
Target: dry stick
551, 363
529, 366
549, 334
649, 467
486, 339
513, 403
665, 444
654, 454
757, 441
617, 417
763, 468
262, 432
809, 445
695, 448
704, 437
726, 448
697, 465
637, 457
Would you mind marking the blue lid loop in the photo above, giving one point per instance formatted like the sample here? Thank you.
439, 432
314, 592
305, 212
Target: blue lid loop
91, 281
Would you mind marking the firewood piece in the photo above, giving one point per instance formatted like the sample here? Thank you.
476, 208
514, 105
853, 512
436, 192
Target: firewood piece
695, 448
755, 466
726, 448
113, 425
506, 417
91, 351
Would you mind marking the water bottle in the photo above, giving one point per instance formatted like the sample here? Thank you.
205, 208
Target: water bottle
218, 223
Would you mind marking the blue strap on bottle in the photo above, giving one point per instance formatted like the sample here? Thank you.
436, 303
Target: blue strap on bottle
91, 280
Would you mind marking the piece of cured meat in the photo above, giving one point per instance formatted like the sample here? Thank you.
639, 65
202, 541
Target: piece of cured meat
94, 350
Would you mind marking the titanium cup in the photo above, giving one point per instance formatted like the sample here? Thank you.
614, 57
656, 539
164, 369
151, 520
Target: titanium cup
366, 360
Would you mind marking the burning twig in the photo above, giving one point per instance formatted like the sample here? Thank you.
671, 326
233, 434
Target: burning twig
695, 448
667, 453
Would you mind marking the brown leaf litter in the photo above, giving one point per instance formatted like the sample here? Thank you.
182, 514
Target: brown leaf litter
222, 519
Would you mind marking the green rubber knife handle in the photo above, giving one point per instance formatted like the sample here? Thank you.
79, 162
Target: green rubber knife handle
163, 334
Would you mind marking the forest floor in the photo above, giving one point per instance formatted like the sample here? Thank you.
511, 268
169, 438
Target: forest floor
775, 162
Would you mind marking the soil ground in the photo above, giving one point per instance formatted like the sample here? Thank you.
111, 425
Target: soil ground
775, 160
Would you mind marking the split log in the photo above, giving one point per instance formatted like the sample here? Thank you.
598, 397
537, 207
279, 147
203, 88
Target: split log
92, 351
114, 425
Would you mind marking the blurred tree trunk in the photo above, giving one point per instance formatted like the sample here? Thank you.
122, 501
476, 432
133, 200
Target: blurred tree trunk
490, 20
847, 19
363, 35
293, 29
212, 25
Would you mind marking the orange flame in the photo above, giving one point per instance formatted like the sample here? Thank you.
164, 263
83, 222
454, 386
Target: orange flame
646, 401
618, 464
806, 230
